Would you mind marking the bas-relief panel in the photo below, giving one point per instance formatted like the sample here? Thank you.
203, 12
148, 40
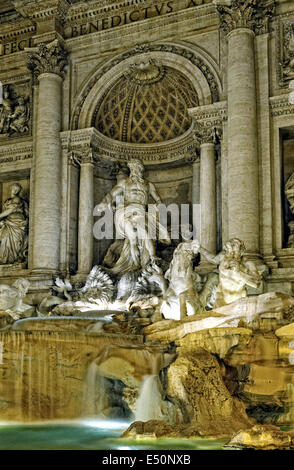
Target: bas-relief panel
16, 110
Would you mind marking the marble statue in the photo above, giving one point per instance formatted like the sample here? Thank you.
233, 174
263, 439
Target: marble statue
13, 227
235, 273
129, 200
11, 300
98, 293
181, 298
289, 191
147, 291
5, 112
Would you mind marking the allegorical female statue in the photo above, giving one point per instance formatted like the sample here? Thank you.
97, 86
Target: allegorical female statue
14, 220
289, 191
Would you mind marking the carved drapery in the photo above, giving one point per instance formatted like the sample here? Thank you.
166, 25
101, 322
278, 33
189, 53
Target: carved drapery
252, 14
14, 228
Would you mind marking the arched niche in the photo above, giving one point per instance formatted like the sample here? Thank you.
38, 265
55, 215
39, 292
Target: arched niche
190, 60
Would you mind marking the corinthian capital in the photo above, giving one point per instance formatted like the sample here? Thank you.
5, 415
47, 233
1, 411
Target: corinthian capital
81, 156
47, 58
206, 134
252, 14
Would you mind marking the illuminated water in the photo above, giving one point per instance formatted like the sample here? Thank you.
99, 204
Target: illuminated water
90, 436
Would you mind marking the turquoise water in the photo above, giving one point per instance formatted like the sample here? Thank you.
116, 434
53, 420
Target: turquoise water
90, 436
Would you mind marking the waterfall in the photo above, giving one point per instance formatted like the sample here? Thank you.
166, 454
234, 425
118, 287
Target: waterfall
149, 403
94, 394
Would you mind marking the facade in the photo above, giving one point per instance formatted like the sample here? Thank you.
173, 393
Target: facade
199, 91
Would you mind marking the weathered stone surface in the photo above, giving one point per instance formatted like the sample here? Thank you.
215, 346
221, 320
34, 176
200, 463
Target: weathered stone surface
130, 364
42, 373
216, 340
151, 429
195, 380
263, 437
168, 331
287, 330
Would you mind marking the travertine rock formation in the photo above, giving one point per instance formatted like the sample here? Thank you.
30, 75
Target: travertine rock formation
263, 438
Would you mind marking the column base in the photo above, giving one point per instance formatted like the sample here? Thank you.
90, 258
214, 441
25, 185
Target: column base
45, 272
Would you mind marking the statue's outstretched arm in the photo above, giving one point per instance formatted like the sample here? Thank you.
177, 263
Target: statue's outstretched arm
214, 259
154, 194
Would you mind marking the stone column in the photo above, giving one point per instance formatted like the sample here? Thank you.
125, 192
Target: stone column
196, 216
47, 64
205, 137
196, 182
241, 20
86, 219
208, 196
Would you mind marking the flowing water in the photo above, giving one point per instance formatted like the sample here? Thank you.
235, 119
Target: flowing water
94, 393
149, 403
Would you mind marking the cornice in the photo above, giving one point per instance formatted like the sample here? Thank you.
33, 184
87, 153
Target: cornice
211, 115
181, 148
43, 10
280, 106
16, 30
14, 152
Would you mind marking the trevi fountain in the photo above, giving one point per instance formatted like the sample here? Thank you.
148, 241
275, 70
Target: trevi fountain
146, 224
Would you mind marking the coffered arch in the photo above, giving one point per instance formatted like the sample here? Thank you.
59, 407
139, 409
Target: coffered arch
198, 68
